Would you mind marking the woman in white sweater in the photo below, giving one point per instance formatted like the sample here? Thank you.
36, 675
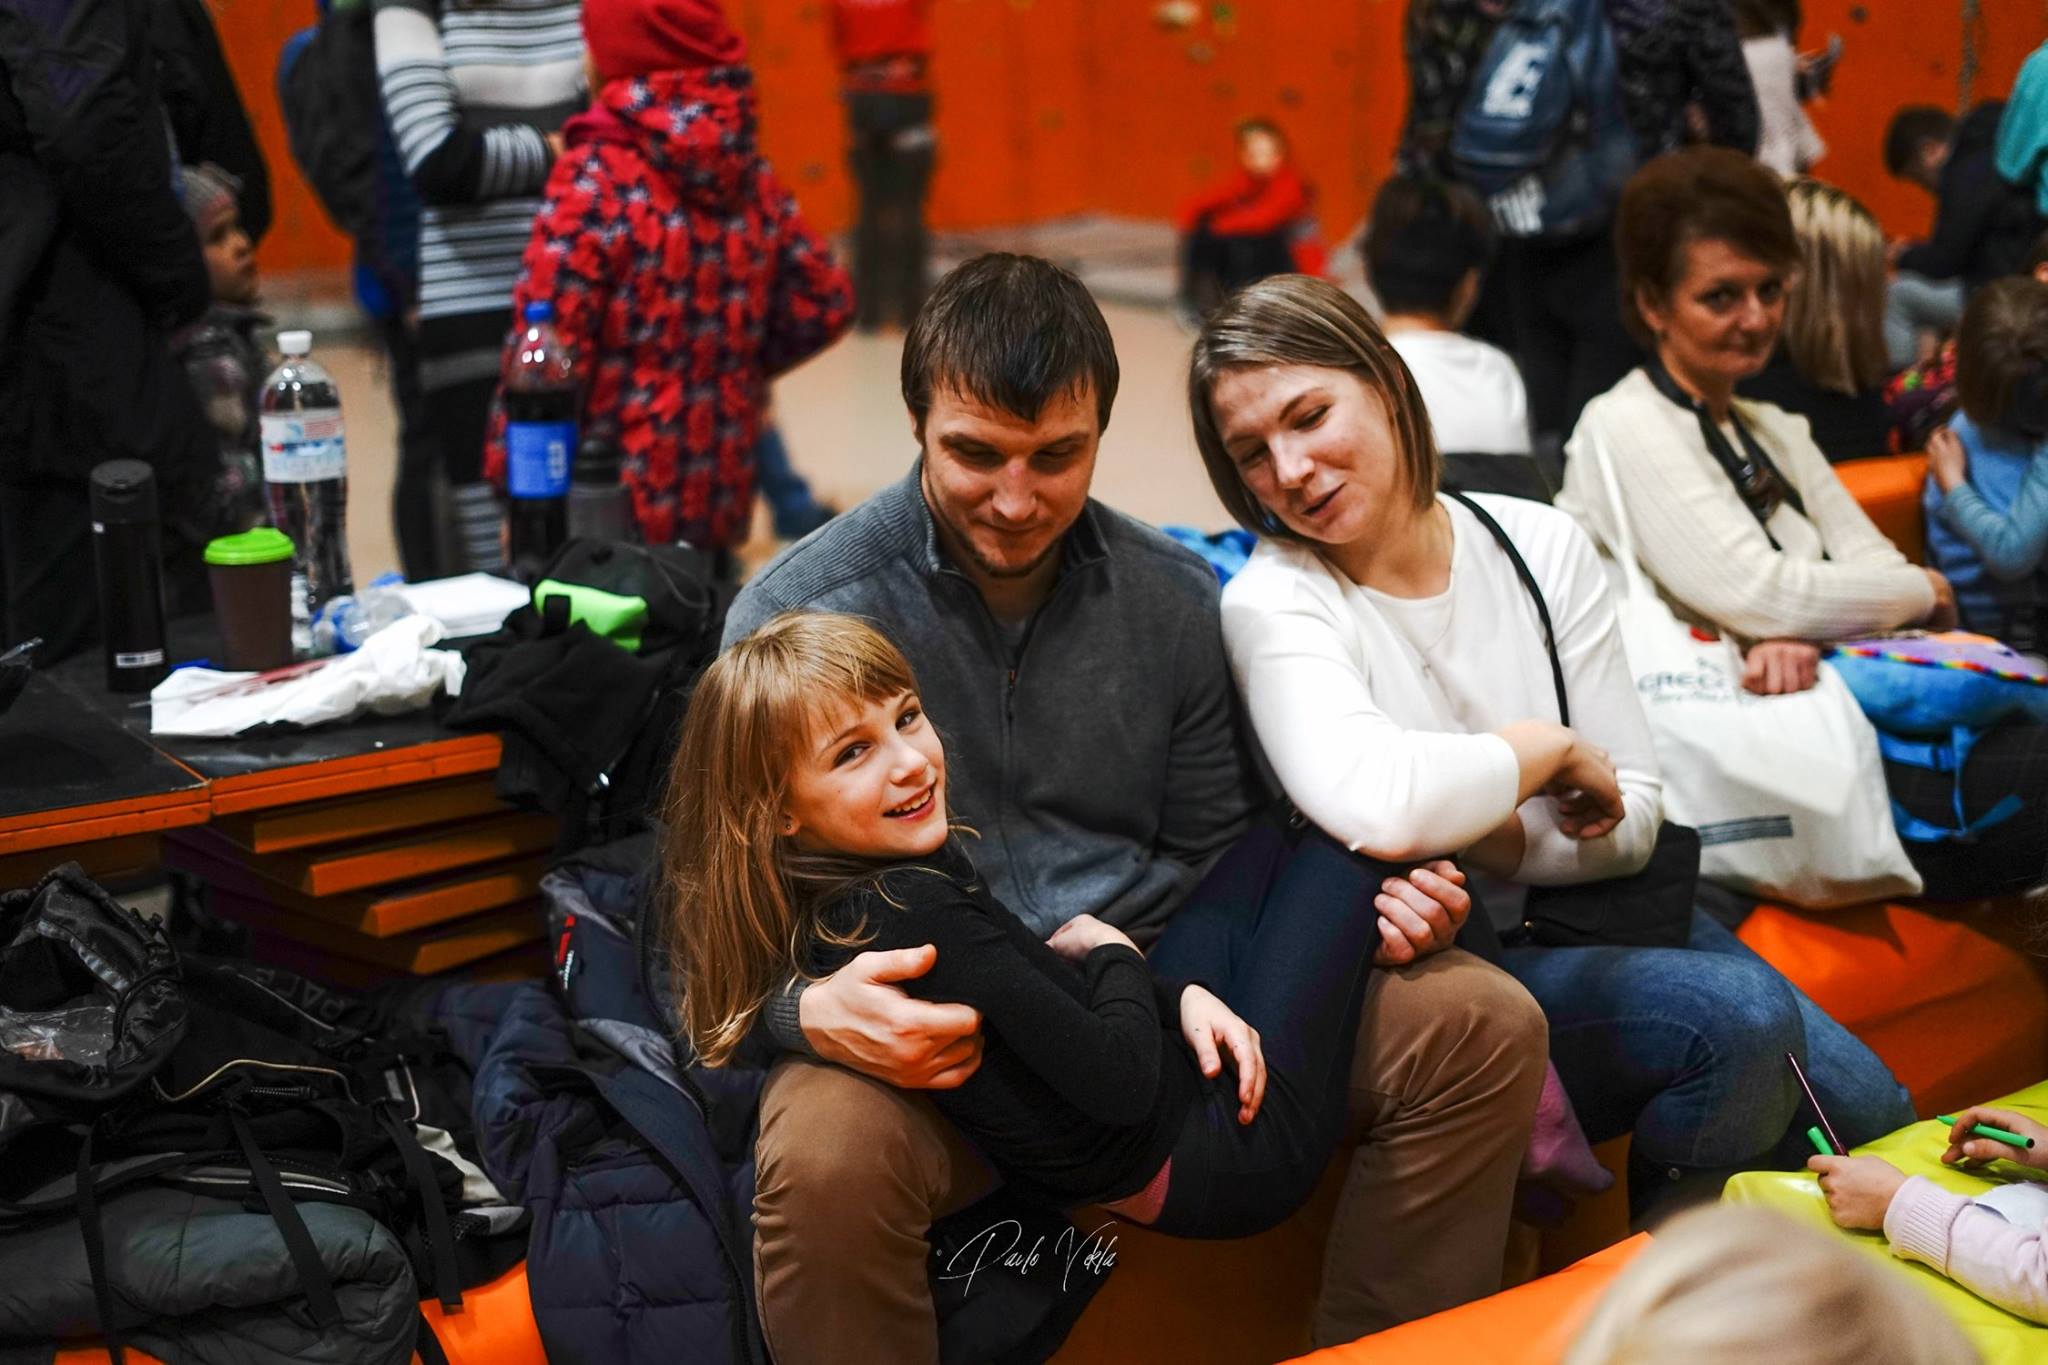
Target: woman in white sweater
1396, 670
1735, 513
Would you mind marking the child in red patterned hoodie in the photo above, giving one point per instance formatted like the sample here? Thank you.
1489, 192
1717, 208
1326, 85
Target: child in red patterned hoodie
682, 275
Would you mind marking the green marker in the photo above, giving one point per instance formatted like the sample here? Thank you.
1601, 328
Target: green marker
1986, 1130
1820, 1142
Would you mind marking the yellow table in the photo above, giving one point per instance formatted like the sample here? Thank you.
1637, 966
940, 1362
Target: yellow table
2003, 1338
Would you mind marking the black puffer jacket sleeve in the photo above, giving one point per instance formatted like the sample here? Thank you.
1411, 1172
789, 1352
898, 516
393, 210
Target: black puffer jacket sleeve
205, 106
80, 73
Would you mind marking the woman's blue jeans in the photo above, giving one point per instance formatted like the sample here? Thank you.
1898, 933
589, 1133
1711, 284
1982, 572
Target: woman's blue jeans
1686, 1047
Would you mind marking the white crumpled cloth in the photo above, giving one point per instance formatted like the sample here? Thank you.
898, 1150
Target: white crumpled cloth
393, 672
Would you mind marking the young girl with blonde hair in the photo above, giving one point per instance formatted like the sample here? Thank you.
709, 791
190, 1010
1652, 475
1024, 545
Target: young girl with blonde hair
1726, 1285
1830, 366
809, 821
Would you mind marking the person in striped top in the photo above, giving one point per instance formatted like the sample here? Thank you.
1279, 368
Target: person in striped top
475, 92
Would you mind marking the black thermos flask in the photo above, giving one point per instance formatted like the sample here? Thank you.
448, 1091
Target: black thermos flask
127, 553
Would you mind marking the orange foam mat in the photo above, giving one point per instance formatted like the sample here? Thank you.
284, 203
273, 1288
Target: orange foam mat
1956, 1012
1888, 490
494, 1326
1528, 1325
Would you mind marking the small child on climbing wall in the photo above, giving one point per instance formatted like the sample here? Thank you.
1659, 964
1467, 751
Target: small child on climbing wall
1257, 221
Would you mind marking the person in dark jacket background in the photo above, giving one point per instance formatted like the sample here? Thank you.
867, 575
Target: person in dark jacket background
101, 265
208, 120
884, 49
1983, 227
1552, 304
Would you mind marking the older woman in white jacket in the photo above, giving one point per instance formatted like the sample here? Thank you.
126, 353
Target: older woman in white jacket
1396, 670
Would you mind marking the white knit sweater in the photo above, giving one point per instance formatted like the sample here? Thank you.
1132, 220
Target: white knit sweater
1700, 545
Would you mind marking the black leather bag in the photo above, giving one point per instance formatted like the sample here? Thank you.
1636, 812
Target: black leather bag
1651, 909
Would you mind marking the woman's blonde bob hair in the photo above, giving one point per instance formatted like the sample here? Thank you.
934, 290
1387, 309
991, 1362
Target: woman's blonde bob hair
1834, 321
1729, 1285
744, 897
1300, 320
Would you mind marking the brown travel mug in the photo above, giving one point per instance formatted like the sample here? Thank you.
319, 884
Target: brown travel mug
252, 598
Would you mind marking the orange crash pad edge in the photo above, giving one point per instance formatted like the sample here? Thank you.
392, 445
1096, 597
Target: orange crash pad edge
1531, 1324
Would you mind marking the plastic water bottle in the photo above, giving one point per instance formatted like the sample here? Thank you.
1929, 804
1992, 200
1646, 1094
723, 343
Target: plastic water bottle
305, 476
599, 508
541, 403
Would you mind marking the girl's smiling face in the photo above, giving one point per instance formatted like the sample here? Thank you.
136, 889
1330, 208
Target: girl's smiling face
870, 782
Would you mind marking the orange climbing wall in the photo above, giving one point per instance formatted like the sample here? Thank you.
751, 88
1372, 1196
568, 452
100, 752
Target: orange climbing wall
1899, 52
1052, 107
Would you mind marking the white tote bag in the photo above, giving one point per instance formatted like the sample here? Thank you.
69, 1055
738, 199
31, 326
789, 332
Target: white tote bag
1788, 793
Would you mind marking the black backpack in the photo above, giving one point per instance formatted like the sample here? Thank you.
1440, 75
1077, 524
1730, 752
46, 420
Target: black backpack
334, 115
121, 1062
1542, 135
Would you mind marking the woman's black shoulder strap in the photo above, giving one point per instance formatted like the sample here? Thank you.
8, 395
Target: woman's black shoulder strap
1564, 708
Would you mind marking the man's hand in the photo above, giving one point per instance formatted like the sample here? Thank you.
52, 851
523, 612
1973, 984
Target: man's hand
1858, 1188
857, 1019
1420, 913
1773, 668
1212, 1028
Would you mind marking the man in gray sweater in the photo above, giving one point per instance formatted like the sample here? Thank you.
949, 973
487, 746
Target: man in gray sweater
1073, 662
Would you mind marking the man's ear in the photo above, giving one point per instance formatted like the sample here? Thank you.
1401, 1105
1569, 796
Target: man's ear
916, 425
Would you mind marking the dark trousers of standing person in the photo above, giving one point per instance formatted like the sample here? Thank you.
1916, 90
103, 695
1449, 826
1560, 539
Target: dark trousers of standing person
892, 156
1563, 320
1215, 265
460, 357
2001, 859
415, 499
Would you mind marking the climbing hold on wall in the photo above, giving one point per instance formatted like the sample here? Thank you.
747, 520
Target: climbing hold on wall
1173, 15
1290, 98
1200, 53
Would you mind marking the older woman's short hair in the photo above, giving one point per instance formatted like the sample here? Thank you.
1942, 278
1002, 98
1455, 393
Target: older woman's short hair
1300, 320
1696, 195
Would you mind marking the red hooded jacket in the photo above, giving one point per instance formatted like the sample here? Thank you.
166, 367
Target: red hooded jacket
683, 279
1246, 205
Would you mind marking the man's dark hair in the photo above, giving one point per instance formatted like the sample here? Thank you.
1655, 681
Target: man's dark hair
1910, 127
1424, 238
1012, 332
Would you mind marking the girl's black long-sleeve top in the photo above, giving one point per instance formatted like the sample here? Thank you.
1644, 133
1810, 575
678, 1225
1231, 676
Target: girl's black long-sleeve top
1084, 1083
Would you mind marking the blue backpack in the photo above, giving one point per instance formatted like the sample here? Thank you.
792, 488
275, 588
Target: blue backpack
1543, 136
1931, 697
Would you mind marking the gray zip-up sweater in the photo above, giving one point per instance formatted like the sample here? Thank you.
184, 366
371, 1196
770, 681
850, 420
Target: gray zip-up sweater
1103, 763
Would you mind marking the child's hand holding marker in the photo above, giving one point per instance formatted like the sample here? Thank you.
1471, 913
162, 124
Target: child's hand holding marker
1858, 1188
1981, 1134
